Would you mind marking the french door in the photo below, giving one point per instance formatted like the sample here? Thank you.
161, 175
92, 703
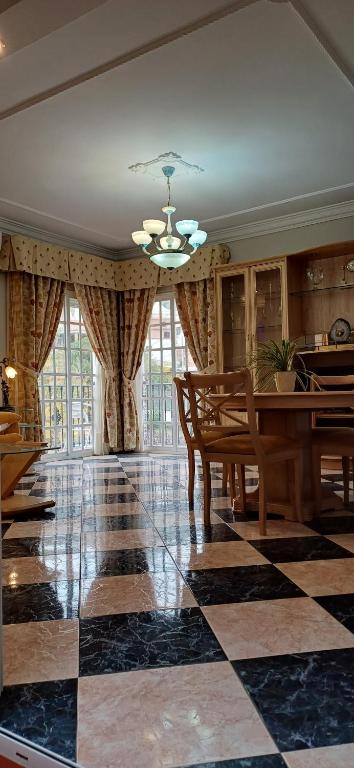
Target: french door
166, 355
67, 386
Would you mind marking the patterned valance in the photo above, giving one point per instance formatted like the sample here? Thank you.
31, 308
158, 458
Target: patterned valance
22, 254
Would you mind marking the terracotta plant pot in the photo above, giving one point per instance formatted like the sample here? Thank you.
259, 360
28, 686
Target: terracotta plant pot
285, 381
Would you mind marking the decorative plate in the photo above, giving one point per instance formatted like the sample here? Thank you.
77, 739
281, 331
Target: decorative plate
340, 331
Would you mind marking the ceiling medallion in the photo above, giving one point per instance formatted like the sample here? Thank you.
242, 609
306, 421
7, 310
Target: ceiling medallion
155, 167
169, 252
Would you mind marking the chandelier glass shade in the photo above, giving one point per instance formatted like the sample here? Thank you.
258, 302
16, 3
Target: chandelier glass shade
169, 251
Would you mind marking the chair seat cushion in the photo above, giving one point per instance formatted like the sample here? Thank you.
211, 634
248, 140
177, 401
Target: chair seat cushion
334, 438
210, 435
242, 444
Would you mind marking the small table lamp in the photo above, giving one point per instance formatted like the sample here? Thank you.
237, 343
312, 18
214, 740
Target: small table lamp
10, 373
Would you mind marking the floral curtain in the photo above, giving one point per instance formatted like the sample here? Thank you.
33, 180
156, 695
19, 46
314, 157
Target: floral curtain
196, 309
99, 310
35, 306
135, 309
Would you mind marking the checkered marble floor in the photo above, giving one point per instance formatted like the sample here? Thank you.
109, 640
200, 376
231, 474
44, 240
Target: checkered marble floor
137, 636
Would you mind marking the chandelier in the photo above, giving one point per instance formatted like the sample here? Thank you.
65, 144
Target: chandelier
170, 251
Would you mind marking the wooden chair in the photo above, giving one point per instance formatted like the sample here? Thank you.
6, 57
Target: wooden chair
250, 449
330, 437
210, 433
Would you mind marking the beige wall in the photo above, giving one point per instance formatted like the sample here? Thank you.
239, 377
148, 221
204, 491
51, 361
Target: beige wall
3, 323
292, 240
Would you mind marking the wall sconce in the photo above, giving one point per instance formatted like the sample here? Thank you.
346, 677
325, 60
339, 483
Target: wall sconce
10, 373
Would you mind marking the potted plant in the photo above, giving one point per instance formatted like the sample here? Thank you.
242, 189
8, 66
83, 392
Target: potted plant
274, 362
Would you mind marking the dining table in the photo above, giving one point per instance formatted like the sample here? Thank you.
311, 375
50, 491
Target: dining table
291, 414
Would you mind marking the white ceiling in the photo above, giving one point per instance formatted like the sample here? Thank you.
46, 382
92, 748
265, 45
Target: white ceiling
261, 99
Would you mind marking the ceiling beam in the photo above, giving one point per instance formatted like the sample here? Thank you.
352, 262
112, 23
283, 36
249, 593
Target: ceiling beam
322, 37
153, 45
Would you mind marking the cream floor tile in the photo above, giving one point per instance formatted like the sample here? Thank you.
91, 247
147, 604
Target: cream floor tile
180, 518
89, 491
341, 756
40, 530
35, 570
111, 476
40, 651
133, 539
134, 593
113, 510
167, 717
221, 502
272, 627
221, 554
275, 529
345, 540
321, 577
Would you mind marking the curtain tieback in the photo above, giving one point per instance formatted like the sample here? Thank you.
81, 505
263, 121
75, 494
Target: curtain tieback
29, 371
128, 382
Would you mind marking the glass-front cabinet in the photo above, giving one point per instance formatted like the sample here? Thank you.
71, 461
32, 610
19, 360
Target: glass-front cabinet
251, 308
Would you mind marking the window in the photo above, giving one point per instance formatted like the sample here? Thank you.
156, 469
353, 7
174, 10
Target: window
165, 356
67, 386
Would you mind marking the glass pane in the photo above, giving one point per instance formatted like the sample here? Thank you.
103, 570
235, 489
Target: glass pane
49, 364
155, 339
234, 322
166, 336
48, 386
74, 335
167, 390
156, 435
87, 436
49, 436
87, 389
179, 336
155, 390
74, 311
166, 311
168, 434
60, 365
60, 439
268, 305
167, 360
87, 413
60, 388
76, 439
155, 362
85, 341
76, 415
60, 337
75, 361
180, 360
156, 410
168, 410
155, 316
75, 387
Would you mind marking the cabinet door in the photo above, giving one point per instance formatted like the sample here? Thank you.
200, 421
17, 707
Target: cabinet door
268, 304
232, 319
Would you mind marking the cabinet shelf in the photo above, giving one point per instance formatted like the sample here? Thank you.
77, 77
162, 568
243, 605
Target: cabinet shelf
306, 291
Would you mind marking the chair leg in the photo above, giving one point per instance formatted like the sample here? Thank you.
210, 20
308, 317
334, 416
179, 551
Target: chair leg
232, 482
224, 479
316, 480
298, 480
207, 491
345, 465
353, 471
241, 486
191, 476
262, 503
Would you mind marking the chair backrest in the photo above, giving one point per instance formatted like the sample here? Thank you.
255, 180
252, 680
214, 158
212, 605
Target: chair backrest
328, 382
208, 408
184, 409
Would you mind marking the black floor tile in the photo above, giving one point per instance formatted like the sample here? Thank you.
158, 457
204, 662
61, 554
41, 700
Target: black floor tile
4, 527
305, 699
40, 602
264, 761
297, 549
341, 607
126, 561
242, 584
331, 525
197, 534
48, 545
44, 713
100, 482
144, 640
117, 523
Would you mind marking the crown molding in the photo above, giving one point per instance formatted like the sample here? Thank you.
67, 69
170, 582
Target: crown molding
282, 223
227, 235
12, 227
